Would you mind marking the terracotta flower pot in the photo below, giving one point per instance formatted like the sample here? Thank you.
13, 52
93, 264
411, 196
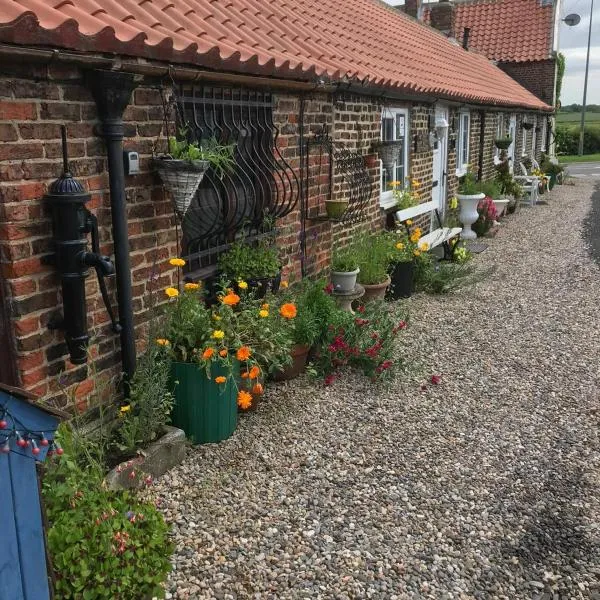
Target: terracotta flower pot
375, 291
299, 354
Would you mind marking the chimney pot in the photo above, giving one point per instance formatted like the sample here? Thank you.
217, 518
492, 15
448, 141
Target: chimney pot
442, 16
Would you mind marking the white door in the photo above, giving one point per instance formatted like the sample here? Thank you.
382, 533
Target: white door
440, 158
512, 133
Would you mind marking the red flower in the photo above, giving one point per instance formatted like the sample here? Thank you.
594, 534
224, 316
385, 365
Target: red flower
328, 289
402, 325
361, 309
329, 379
436, 379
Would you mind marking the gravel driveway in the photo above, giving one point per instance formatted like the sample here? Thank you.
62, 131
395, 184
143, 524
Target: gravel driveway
484, 486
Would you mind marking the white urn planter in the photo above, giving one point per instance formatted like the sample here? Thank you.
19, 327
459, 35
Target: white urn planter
468, 213
500, 204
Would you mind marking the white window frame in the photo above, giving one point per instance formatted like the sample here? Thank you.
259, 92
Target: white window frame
533, 138
544, 133
462, 160
500, 133
386, 198
524, 133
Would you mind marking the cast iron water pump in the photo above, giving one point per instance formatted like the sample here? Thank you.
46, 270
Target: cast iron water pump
71, 222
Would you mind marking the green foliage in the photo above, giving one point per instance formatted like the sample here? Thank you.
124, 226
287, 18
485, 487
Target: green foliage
490, 187
567, 139
103, 544
246, 262
434, 277
506, 182
560, 73
365, 341
219, 156
467, 184
372, 252
150, 402
344, 260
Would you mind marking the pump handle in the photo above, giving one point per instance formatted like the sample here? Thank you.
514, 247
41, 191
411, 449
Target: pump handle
92, 224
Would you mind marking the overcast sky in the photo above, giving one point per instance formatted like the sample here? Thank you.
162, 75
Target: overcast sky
573, 44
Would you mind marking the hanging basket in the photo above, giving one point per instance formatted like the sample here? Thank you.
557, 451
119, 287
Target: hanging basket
503, 143
182, 179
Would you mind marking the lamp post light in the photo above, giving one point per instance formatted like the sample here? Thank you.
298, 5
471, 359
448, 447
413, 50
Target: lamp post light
571, 21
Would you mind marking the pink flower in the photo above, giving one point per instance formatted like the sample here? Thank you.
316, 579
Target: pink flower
328, 289
132, 475
329, 379
436, 379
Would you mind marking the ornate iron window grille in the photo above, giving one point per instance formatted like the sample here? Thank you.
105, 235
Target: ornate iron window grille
247, 201
347, 172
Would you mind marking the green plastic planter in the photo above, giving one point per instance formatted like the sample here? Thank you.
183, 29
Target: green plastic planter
205, 410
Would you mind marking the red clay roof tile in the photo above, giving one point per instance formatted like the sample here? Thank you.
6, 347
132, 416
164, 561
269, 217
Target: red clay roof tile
505, 30
358, 40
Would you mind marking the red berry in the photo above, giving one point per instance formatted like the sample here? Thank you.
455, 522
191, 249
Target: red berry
21, 443
35, 451
3, 424
44, 442
60, 451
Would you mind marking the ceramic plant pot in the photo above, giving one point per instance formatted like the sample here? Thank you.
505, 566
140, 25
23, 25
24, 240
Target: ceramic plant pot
375, 291
299, 354
336, 208
182, 179
468, 213
344, 281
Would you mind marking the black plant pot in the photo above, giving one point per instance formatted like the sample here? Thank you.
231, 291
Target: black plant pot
402, 276
261, 286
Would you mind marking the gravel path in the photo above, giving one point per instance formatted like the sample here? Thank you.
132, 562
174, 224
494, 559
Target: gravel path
484, 486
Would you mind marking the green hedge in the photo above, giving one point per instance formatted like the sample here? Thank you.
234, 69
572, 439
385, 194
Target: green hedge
567, 139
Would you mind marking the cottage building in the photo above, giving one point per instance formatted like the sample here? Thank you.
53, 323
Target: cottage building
325, 100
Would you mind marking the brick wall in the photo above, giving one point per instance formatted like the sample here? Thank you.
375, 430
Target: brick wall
536, 76
31, 113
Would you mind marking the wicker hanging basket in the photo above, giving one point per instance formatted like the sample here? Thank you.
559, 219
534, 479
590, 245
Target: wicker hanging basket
182, 179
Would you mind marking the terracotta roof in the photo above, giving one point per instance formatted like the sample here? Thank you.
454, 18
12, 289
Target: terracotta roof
363, 40
505, 30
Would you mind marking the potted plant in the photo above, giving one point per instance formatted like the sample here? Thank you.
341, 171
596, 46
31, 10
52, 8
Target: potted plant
509, 188
344, 270
503, 143
372, 255
406, 195
469, 197
183, 168
208, 353
401, 266
258, 265
487, 216
553, 171
491, 189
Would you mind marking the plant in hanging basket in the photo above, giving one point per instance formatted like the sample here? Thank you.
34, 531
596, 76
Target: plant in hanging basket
503, 143
183, 169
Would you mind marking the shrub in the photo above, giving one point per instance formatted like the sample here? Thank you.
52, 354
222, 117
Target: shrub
373, 258
247, 262
344, 260
567, 139
103, 544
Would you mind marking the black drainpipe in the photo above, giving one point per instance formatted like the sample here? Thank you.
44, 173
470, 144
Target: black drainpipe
112, 93
466, 34
481, 143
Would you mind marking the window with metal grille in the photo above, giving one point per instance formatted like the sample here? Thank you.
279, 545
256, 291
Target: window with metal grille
246, 201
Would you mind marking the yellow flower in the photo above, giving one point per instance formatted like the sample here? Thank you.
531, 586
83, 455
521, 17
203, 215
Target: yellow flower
162, 342
400, 246
423, 246
242, 285
177, 262
191, 286
216, 317
395, 183
284, 284
218, 334
415, 235
409, 222
125, 408
265, 306
417, 253
416, 183
172, 292
454, 203
220, 379
263, 313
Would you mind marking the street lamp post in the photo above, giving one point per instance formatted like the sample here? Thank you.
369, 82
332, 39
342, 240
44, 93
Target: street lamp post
572, 20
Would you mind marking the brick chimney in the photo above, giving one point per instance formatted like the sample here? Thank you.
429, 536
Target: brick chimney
442, 16
413, 8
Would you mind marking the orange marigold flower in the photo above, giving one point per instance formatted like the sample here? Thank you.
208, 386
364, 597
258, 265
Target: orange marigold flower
288, 311
284, 284
220, 379
245, 375
223, 353
244, 400
258, 389
243, 353
231, 299
254, 372
264, 306
208, 353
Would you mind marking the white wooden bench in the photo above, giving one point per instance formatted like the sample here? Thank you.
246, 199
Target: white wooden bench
438, 237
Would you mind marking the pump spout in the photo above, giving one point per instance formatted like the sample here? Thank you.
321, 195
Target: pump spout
102, 264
